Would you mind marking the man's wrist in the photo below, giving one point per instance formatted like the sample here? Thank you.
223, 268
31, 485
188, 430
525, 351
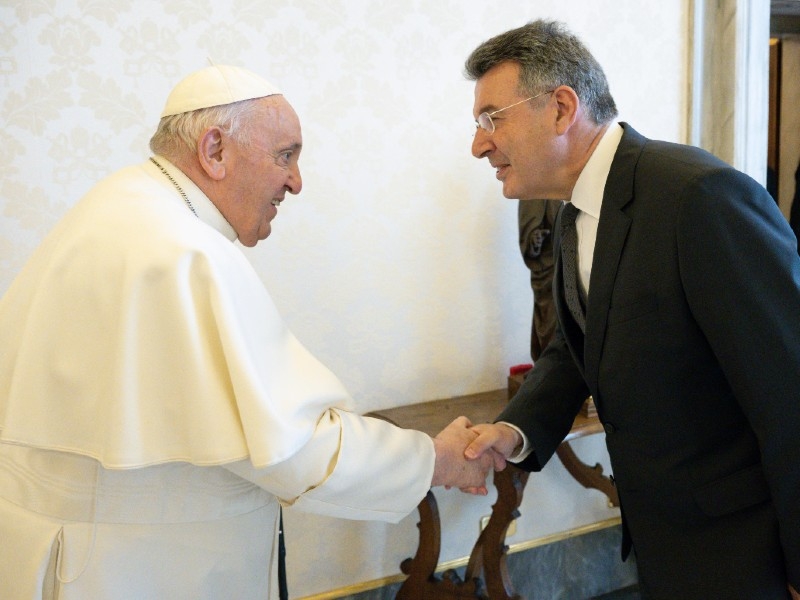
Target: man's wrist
522, 447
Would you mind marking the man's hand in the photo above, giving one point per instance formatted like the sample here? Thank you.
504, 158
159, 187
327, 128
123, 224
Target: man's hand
794, 593
497, 439
453, 468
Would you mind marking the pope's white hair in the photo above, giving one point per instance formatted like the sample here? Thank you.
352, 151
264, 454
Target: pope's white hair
178, 134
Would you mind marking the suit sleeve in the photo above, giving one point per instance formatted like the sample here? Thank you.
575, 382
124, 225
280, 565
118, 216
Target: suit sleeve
545, 406
741, 273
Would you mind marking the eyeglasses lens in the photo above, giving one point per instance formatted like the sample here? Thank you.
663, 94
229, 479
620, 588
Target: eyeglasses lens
485, 122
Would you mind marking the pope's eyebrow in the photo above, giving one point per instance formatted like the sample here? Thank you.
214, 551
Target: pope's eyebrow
296, 147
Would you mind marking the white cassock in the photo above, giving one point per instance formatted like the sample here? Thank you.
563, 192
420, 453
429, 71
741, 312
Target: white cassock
154, 410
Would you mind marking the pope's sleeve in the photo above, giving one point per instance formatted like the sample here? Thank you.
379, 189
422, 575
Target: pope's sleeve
353, 467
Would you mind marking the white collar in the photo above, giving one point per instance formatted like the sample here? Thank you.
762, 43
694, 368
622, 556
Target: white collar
203, 207
587, 195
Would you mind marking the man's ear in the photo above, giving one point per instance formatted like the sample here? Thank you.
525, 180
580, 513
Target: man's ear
568, 105
209, 153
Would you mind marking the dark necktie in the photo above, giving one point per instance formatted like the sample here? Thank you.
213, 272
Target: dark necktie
569, 257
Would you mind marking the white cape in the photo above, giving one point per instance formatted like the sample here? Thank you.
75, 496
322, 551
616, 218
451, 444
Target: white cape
131, 468
85, 323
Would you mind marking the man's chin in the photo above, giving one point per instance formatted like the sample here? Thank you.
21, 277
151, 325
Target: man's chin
510, 193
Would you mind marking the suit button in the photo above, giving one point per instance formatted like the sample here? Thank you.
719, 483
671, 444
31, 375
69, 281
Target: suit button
609, 427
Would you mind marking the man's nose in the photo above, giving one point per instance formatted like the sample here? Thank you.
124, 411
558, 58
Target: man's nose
481, 143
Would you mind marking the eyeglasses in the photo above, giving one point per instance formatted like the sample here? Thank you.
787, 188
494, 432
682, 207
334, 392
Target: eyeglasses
484, 120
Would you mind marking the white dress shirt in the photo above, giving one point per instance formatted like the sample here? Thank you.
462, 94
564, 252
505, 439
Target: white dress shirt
587, 197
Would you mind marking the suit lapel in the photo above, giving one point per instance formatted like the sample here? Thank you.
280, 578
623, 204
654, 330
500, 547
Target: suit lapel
611, 234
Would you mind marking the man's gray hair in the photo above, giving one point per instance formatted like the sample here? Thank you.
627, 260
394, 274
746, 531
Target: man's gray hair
549, 56
177, 135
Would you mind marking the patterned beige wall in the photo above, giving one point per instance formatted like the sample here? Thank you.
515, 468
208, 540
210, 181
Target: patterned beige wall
398, 264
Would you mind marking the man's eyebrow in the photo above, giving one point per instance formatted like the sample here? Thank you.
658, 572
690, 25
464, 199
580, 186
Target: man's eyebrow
486, 108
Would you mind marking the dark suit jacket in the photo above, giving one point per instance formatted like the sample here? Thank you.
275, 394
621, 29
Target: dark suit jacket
692, 355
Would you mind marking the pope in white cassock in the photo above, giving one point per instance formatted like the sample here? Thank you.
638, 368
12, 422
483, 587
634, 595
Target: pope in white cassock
154, 409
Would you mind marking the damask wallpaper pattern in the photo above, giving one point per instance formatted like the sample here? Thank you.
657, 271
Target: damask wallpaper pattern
398, 263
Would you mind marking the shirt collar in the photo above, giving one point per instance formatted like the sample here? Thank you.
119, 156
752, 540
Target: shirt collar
205, 209
587, 195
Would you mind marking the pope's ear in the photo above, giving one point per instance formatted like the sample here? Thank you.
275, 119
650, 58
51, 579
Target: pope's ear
209, 153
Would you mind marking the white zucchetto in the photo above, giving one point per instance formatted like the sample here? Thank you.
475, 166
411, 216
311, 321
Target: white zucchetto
215, 86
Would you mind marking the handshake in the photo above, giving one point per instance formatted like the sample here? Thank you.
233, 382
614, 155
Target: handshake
465, 453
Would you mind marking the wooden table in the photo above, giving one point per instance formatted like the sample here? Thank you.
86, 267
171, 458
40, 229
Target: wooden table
486, 576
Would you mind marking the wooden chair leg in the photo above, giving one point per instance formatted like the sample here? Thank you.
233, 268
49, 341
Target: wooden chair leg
488, 556
489, 553
588, 477
422, 582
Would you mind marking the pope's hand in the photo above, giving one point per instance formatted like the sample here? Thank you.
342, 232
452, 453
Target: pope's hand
498, 441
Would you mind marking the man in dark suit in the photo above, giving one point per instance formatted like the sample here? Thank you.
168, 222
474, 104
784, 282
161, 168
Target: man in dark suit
678, 310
